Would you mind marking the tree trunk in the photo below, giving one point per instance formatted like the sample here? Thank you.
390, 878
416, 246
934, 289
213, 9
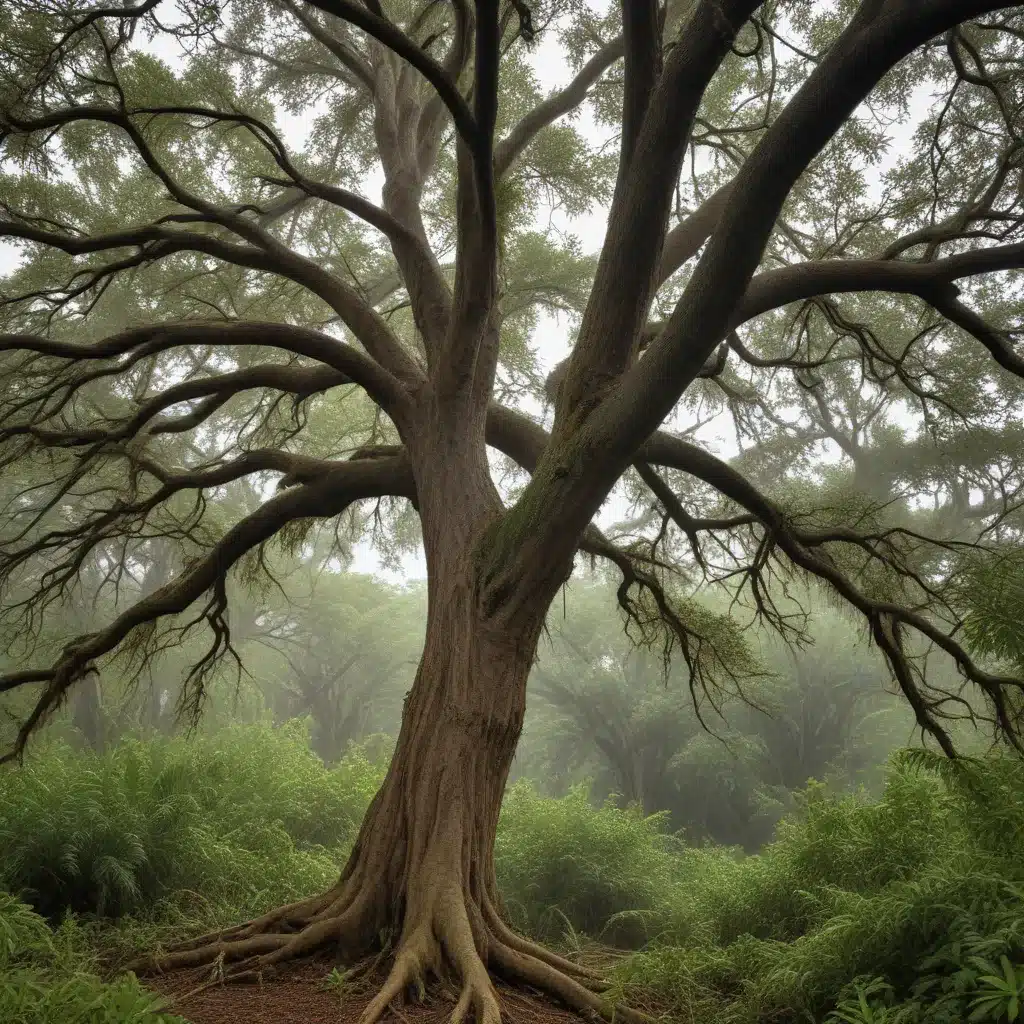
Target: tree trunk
87, 712
421, 872
424, 859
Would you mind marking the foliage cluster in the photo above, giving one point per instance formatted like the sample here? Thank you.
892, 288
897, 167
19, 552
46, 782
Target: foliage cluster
908, 908
233, 820
566, 867
50, 976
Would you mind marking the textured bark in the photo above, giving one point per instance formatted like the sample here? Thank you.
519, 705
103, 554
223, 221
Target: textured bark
420, 877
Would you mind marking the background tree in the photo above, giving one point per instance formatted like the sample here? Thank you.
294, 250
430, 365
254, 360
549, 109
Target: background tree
603, 710
198, 292
343, 653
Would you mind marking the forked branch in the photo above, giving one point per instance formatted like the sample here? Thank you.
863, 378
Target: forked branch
390, 35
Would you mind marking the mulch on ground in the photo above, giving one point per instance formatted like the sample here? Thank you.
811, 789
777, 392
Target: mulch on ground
296, 995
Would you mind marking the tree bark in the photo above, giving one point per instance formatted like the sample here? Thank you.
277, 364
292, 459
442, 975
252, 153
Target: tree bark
423, 864
421, 874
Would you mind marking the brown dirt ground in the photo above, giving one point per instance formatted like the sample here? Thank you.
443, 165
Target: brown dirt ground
296, 995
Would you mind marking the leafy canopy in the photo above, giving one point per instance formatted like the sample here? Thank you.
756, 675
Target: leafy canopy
216, 335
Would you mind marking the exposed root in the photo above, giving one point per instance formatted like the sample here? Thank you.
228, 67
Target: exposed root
540, 975
417, 954
478, 994
477, 989
290, 916
253, 944
224, 951
504, 934
438, 941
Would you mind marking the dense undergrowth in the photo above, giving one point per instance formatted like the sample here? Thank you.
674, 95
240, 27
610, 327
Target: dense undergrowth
906, 909
49, 976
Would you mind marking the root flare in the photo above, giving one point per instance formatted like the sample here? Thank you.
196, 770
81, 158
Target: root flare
438, 941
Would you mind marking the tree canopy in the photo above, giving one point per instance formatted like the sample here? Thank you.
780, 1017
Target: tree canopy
218, 338
171, 238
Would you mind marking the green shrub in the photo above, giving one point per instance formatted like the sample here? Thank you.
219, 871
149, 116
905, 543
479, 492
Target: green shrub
906, 909
897, 910
561, 862
843, 842
242, 818
47, 980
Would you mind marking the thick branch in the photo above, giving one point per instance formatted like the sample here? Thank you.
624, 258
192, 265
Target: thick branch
775, 288
683, 242
641, 38
328, 496
525, 442
419, 269
345, 54
605, 415
432, 116
931, 281
875, 40
344, 359
626, 274
965, 318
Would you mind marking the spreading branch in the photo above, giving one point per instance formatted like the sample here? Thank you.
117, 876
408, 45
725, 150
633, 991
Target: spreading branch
525, 442
327, 496
387, 33
610, 402
348, 363
558, 104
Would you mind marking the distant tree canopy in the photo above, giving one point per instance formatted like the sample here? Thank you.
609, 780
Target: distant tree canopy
603, 710
218, 341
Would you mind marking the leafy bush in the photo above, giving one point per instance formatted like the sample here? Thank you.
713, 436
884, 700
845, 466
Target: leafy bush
46, 979
907, 909
561, 862
900, 910
231, 823
242, 818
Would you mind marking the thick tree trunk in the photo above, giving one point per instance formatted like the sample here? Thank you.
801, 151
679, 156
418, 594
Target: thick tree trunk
423, 865
433, 822
421, 872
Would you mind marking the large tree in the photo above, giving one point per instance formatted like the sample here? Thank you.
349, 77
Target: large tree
201, 286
